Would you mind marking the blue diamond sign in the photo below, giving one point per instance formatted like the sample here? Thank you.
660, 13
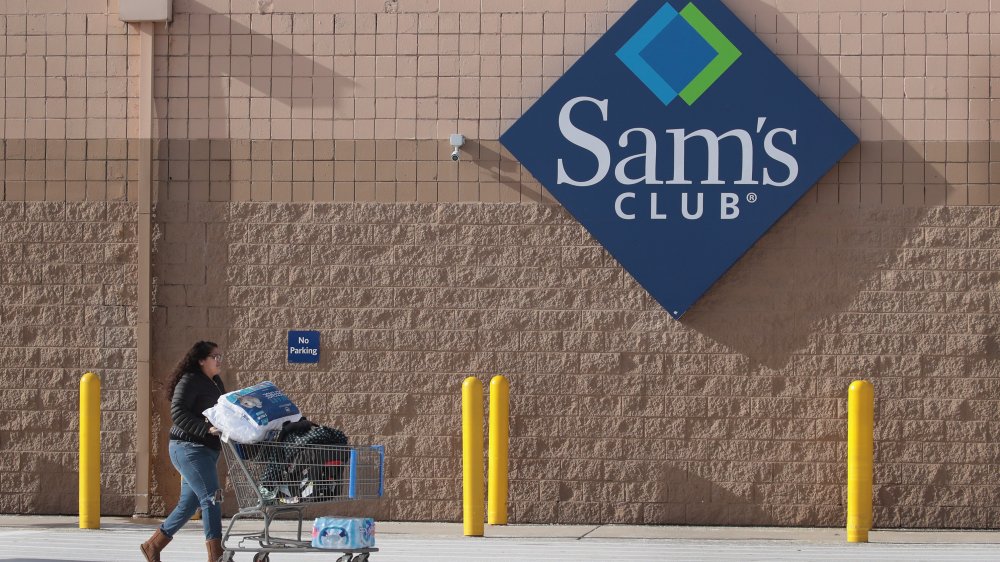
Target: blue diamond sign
678, 140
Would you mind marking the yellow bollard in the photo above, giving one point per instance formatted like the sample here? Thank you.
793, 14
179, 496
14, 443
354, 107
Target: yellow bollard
90, 451
496, 504
472, 456
860, 459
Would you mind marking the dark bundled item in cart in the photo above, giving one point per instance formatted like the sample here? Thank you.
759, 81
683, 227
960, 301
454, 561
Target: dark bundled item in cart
299, 469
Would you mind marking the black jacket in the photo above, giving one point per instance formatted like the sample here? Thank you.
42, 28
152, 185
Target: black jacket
194, 394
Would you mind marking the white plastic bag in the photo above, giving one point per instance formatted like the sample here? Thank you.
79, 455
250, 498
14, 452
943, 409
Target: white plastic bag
248, 415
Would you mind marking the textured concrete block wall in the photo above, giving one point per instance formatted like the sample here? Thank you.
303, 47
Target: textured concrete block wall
620, 414
67, 306
302, 181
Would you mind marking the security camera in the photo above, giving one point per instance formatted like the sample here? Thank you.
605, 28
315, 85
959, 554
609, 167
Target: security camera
457, 141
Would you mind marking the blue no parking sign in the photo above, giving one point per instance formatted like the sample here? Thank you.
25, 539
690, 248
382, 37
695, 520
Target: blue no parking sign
303, 346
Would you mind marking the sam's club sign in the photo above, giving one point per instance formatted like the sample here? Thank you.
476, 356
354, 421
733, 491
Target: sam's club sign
678, 140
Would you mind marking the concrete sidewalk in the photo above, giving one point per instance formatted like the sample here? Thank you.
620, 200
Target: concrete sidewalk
57, 539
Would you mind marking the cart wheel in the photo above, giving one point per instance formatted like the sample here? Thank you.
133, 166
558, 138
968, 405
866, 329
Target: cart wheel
363, 557
345, 558
261, 557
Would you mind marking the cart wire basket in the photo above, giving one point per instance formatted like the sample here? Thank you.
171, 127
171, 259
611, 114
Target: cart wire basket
276, 479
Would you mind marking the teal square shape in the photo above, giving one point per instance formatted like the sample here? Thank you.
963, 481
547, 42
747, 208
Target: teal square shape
678, 54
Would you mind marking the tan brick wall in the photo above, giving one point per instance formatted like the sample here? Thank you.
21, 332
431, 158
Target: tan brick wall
302, 181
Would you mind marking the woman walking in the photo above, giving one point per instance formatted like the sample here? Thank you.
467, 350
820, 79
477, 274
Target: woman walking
194, 386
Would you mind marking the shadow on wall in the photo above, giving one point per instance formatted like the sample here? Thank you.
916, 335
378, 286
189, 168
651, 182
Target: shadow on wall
207, 266
266, 70
43, 472
499, 166
190, 253
191, 239
48, 482
190, 256
818, 259
685, 498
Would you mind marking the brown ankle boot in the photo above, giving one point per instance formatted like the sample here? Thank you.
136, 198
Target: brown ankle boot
151, 549
214, 547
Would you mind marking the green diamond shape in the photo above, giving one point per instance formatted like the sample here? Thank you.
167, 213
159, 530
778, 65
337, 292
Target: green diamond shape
728, 53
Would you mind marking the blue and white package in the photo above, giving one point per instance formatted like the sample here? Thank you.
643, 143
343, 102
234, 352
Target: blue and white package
248, 415
343, 533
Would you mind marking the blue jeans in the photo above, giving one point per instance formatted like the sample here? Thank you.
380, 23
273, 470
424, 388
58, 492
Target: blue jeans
200, 488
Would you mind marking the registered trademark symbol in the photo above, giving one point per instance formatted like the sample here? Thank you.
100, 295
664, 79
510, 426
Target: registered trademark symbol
751, 197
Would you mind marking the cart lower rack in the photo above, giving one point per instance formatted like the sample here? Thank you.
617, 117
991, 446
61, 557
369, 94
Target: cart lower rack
273, 479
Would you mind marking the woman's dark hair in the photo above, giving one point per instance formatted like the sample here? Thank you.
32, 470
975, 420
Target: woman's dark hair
189, 364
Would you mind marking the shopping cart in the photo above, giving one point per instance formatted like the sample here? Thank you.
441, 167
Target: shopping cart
273, 479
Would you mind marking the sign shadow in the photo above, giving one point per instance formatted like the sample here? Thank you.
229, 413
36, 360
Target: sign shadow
497, 165
787, 295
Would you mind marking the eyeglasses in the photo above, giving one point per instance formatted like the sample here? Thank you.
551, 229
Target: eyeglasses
217, 357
